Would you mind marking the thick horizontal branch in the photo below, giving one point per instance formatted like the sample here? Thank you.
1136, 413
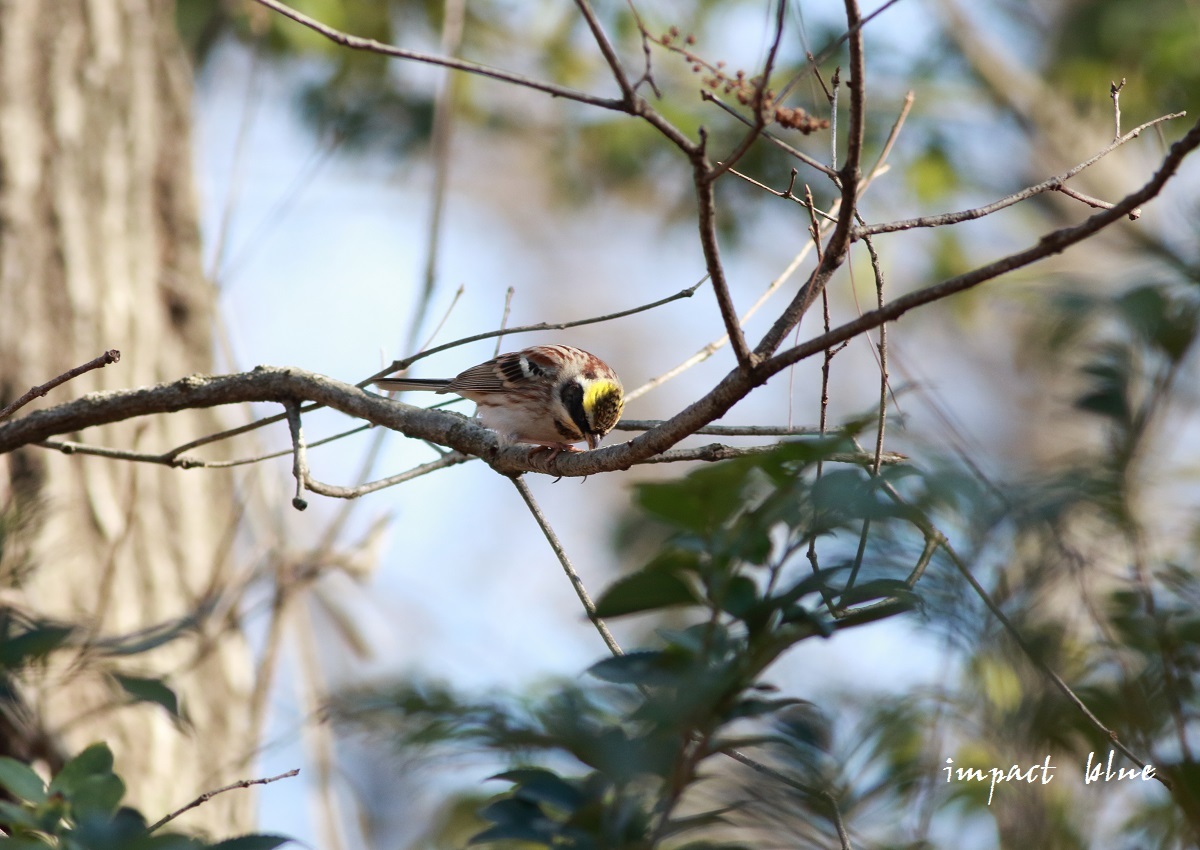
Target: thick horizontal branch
287, 386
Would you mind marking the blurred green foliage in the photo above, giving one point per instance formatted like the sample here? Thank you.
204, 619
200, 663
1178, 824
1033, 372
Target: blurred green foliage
738, 567
80, 807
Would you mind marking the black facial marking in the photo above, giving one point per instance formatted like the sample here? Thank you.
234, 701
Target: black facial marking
572, 399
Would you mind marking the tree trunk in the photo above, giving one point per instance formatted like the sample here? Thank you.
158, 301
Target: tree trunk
99, 249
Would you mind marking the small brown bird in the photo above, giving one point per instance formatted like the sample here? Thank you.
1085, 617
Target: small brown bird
548, 395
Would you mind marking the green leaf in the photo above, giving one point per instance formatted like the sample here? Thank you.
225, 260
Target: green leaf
154, 691
537, 785
21, 780
18, 651
712, 818
758, 706
26, 844
646, 590
702, 501
12, 815
739, 596
880, 588
99, 795
260, 841
509, 832
515, 820
643, 668
96, 760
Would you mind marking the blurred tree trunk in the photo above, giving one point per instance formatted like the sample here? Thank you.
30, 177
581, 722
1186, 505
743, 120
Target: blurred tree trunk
99, 249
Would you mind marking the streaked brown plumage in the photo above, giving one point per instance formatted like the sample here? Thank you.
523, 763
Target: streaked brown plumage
548, 395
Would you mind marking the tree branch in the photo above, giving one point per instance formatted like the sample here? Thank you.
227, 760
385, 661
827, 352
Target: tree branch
110, 356
208, 795
370, 45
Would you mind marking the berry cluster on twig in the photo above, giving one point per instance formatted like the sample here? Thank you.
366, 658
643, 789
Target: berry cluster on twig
749, 91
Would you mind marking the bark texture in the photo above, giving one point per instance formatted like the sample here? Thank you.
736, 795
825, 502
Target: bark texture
99, 249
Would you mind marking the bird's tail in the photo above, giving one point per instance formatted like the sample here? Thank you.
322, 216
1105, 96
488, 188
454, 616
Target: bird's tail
398, 384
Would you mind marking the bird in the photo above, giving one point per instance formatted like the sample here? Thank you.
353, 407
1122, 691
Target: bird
549, 395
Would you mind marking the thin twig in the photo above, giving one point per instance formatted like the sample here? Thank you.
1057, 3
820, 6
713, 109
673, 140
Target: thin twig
714, 452
849, 177
1094, 203
758, 102
400, 365
69, 447
853, 31
1051, 243
834, 88
440, 136
714, 346
725, 430
1051, 185
561, 553
370, 45
708, 350
208, 795
810, 161
785, 194
333, 491
706, 203
1115, 94
508, 299
803, 788
606, 48
299, 456
648, 72
110, 356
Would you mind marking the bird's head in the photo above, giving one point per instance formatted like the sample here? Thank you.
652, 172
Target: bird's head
603, 401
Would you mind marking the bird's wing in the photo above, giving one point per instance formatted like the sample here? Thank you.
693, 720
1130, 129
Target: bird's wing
395, 384
489, 377
504, 372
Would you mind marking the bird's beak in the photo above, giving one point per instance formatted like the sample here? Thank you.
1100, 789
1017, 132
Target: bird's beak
593, 440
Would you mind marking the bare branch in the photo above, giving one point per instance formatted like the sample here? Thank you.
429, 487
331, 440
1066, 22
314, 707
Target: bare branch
370, 45
849, 177
714, 346
1094, 203
561, 554
299, 456
69, 447
1115, 93
400, 365
707, 211
714, 452
1054, 242
811, 162
208, 795
1051, 185
606, 48
447, 460
759, 101
725, 430
280, 385
110, 356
